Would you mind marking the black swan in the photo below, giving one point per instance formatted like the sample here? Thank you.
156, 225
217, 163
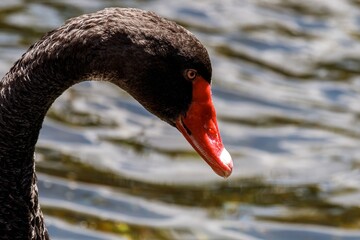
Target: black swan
161, 64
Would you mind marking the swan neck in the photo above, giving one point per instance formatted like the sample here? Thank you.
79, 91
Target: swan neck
26, 93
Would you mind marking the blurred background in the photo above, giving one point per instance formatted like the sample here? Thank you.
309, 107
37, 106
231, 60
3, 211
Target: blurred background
286, 85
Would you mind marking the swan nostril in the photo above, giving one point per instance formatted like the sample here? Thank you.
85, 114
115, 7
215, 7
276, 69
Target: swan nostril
211, 129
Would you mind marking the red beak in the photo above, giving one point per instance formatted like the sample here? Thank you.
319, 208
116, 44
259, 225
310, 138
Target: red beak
199, 127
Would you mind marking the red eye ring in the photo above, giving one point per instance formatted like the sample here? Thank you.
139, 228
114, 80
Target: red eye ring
190, 74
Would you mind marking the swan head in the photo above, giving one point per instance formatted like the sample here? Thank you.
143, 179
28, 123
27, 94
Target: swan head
168, 71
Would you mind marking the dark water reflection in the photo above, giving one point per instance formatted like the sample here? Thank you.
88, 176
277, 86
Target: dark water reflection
287, 90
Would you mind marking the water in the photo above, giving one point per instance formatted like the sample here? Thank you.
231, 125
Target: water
286, 87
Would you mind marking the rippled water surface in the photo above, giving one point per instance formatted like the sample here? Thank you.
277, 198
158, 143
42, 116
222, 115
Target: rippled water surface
286, 87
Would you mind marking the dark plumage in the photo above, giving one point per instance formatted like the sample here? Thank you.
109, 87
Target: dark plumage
137, 50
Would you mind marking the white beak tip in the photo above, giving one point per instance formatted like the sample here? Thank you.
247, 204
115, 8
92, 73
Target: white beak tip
226, 159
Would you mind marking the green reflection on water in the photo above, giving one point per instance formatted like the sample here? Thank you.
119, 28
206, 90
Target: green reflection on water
130, 231
304, 204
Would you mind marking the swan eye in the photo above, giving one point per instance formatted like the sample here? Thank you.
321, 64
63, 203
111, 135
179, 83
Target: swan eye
190, 74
